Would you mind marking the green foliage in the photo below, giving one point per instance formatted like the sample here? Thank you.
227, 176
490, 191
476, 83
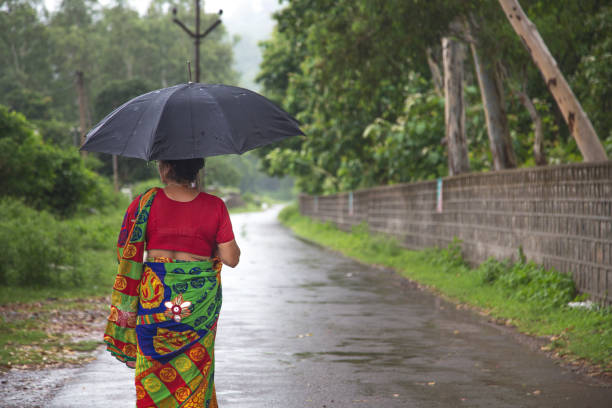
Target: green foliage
46, 176
38, 250
409, 148
527, 281
356, 74
43, 50
222, 171
41, 250
449, 258
594, 76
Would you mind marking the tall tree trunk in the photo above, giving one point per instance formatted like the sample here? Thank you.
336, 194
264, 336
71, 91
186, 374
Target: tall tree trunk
578, 122
538, 152
436, 76
453, 55
492, 93
83, 125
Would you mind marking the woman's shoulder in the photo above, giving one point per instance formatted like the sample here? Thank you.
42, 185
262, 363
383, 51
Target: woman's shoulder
211, 199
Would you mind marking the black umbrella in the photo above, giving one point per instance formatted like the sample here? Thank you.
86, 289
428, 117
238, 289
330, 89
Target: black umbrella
191, 120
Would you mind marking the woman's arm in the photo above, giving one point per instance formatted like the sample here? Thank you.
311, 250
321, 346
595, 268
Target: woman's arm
229, 252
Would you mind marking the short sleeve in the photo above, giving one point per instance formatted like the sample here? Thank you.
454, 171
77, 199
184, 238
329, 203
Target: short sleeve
224, 229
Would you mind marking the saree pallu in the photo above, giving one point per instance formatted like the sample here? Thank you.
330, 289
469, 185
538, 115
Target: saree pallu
176, 326
120, 334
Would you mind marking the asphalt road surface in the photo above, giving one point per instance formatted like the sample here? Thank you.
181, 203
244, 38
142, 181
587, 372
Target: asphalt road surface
305, 327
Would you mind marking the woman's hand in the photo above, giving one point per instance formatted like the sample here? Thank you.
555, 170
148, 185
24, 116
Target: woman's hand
131, 364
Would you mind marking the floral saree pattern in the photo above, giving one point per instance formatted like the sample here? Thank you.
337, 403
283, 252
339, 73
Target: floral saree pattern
164, 316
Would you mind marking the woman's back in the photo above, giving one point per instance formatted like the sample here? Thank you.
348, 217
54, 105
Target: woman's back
195, 226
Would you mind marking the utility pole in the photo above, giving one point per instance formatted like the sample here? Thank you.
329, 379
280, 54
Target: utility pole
83, 123
197, 36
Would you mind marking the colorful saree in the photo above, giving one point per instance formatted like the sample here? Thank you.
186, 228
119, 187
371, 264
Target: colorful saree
164, 316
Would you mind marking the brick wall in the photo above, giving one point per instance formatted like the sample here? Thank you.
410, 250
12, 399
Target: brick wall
560, 215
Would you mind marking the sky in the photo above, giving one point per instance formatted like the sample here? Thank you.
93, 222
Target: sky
251, 20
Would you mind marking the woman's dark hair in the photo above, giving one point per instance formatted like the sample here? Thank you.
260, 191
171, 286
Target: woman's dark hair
183, 171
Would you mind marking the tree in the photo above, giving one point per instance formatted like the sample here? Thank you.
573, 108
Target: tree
578, 122
24, 49
453, 55
43, 175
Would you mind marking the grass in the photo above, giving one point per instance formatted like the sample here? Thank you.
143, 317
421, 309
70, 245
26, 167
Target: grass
523, 295
43, 323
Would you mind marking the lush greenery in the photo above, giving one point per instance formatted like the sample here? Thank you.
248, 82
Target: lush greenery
520, 294
45, 175
356, 73
54, 210
119, 53
51, 269
42, 251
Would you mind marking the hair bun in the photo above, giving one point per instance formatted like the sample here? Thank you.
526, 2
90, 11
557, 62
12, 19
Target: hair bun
184, 170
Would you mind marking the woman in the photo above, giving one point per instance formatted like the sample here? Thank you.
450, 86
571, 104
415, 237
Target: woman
164, 308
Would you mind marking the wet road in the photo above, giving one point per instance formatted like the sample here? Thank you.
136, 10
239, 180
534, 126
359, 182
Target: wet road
305, 327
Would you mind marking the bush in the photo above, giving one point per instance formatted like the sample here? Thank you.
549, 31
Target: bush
522, 280
47, 177
37, 249
528, 281
288, 213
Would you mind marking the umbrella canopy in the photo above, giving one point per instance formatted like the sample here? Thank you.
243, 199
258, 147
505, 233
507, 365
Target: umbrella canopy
191, 120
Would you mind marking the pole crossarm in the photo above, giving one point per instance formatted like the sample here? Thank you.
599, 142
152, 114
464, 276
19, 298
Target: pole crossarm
184, 27
212, 27
197, 36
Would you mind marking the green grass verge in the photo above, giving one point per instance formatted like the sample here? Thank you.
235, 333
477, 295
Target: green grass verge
523, 294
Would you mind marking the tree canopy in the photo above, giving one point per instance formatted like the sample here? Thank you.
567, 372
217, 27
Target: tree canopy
356, 73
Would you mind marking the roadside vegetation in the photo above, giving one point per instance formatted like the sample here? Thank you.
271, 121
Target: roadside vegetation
519, 294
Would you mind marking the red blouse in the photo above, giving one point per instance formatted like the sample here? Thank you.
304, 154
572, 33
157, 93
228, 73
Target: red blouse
196, 226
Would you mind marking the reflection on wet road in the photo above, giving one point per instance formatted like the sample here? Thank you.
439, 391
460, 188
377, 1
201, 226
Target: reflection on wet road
305, 327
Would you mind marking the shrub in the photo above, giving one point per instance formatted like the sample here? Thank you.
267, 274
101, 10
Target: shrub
490, 270
47, 177
528, 281
37, 249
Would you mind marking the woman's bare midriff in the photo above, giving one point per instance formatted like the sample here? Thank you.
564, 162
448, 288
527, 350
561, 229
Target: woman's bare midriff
183, 256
